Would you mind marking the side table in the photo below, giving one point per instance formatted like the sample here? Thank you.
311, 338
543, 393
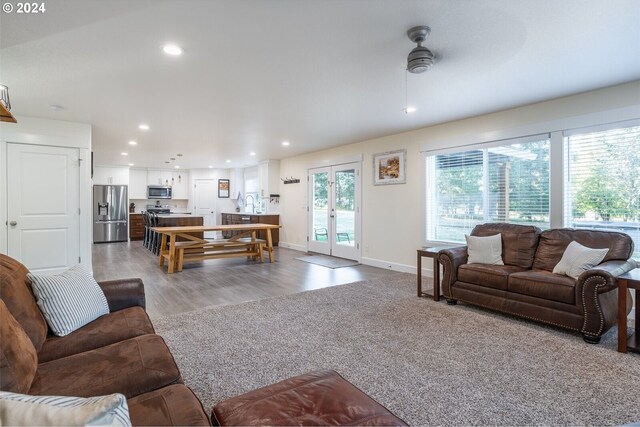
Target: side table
629, 280
432, 253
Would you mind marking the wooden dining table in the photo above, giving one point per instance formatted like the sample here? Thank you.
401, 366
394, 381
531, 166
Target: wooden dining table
171, 235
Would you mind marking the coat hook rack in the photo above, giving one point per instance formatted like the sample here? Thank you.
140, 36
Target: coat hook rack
290, 180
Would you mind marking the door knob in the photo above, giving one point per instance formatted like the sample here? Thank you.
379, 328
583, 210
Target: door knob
13, 223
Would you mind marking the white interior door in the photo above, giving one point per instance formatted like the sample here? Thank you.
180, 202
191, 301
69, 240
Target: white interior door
43, 192
205, 203
334, 210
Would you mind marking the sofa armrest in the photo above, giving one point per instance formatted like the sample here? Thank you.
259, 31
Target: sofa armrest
597, 301
123, 293
451, 259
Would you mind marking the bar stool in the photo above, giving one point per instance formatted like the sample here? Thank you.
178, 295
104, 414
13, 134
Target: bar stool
147, 230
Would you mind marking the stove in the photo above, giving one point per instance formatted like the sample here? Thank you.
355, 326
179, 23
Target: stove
159, 209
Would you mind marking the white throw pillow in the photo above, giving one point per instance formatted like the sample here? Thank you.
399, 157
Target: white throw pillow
69, 300
578, 259
25, 410
484, 250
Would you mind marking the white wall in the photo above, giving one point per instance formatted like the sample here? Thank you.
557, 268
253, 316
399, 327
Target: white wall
35, 131
393, 215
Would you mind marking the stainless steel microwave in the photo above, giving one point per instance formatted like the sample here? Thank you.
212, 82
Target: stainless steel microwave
159, 192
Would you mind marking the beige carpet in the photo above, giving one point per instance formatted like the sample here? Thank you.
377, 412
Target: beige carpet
429, 363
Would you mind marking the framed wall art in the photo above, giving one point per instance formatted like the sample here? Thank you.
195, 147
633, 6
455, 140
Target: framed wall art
223, 188
390, 167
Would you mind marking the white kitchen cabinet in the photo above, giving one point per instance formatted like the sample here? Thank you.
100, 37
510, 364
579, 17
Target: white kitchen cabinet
110, 175
180, 184
269, 177
137, 183
159, 177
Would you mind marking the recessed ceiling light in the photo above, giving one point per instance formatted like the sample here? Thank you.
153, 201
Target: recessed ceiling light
143, 127
172, 49
179, 155
210, 167
167, 162
252, 153
172, 158
410, 110
285, 143
227, 161
56, 107
133, 142
177, 167
124, 154
131, 164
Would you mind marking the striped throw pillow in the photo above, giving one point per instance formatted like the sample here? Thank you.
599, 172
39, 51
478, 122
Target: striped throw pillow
25, 410
69, 300
577, 259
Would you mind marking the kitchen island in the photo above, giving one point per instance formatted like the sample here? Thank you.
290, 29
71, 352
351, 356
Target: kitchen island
181, 220
229, 218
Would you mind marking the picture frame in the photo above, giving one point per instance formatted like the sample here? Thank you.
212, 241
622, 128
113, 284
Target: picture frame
223, 188
390, 168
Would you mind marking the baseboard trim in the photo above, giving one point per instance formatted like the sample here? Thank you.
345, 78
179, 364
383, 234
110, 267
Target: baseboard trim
394, 266
295, 247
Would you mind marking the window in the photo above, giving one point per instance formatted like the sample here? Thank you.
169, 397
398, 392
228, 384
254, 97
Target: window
505, 181
602, 180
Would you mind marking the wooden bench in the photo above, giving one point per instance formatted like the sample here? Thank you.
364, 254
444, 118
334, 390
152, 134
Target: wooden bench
198, 251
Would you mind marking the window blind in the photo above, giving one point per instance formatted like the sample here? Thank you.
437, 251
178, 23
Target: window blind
496, 183
602, 180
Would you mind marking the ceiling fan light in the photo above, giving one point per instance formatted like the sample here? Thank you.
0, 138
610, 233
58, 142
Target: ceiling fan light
420, 59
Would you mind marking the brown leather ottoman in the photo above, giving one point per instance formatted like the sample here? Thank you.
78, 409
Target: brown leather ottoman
316, 398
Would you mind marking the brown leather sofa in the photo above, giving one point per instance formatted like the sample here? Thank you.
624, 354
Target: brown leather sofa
116, 353
525, 285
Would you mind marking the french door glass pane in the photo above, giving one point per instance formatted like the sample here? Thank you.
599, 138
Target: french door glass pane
345, 207
320, 206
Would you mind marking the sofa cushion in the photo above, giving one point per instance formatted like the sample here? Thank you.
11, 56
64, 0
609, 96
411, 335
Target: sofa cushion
577, 259
105, 330
484, 250
16, 293
553, 243
18, 360
26, 410
132, 367
544, 284
519, 242
491, 276
174, 405
69, 300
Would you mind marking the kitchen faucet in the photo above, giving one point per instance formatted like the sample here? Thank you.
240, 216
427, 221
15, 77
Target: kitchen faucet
246, 203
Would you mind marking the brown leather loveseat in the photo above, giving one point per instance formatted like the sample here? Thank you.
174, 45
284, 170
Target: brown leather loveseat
525, 285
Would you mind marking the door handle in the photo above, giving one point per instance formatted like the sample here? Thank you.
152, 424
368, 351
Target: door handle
13, 223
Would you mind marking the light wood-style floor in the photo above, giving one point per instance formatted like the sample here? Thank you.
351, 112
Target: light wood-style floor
218, 282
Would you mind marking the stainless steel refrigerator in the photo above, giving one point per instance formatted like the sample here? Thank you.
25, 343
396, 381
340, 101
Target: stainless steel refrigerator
110, 214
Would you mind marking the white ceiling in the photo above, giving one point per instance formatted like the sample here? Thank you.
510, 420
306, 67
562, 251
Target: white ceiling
318, 73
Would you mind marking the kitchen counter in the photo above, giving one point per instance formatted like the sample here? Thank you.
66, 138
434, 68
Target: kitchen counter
178, 220
251, 218
251, 214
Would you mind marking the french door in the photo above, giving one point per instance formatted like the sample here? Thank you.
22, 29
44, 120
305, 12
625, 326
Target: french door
334, 210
